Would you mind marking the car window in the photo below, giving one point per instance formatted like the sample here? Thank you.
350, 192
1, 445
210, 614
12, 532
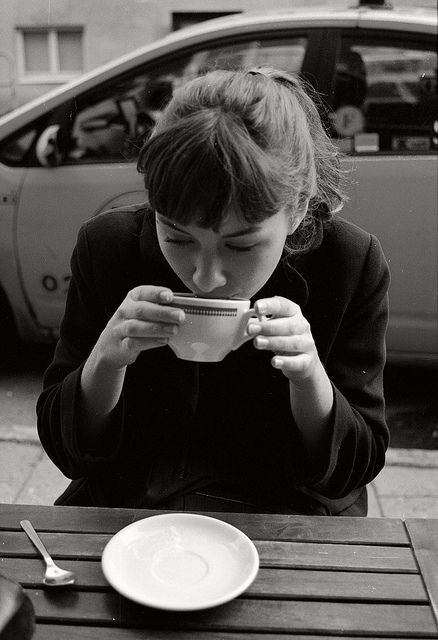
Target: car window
385, 96
14, 150
287, 54
111, 123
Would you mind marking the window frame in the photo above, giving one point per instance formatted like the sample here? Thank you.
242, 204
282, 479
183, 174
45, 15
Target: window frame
54, 75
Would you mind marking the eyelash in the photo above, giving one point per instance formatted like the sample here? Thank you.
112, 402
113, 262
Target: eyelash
231, 247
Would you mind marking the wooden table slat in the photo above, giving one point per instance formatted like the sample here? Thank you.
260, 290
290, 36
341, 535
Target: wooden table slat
336, 556
347, 557
273, 616
262, 527
269, 583
55, 632
424, 539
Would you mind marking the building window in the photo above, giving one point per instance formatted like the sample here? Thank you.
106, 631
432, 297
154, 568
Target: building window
48, 55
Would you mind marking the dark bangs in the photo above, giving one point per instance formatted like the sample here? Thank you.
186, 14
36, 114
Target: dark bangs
198, 167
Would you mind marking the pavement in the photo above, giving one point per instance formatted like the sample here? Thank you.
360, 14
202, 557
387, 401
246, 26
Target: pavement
407, 487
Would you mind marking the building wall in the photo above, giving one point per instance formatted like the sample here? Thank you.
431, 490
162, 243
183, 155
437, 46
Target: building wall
110, 29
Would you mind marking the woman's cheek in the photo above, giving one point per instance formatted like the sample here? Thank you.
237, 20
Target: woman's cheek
179, 260
262, 267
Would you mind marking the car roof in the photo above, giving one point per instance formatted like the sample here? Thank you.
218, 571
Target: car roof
421, 20
399, 17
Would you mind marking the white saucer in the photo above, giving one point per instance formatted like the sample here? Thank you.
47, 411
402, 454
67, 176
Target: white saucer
180, 561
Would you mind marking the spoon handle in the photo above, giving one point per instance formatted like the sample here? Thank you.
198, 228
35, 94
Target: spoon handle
36, 540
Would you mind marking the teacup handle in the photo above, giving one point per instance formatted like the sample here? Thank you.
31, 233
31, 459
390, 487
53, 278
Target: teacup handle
246, 316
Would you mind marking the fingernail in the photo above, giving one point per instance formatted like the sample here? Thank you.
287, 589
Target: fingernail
171, 330
253, 329
260, 308
261, 341
178, 316
277, 363
165, 296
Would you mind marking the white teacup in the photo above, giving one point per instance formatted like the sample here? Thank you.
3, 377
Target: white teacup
212, 327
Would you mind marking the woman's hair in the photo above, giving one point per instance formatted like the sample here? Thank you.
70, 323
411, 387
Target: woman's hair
248, 139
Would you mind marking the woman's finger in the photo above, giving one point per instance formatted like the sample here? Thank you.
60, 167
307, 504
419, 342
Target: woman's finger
288, 326
151, 293
138, 329
288, 345
276, 306
291, 364
150, 312
136, 345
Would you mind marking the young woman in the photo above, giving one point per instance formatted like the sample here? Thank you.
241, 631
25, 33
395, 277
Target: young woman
243, 189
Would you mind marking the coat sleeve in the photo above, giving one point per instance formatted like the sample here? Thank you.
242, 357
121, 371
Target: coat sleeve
57, 406
355, 363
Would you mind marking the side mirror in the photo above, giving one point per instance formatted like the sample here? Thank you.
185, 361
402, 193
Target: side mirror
47, 148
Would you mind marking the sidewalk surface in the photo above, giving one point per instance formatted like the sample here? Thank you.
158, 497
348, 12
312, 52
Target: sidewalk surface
407, 487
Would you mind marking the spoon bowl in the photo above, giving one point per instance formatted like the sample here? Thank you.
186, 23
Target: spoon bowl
57, 577
54, 575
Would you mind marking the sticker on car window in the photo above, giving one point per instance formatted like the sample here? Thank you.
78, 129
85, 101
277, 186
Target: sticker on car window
410, 143
348, 120
366, 142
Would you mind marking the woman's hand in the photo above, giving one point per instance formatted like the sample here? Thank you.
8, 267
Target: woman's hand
287, 333
143, 321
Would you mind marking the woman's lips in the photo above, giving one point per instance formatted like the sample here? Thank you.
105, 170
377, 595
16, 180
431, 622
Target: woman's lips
200, 294
221, 297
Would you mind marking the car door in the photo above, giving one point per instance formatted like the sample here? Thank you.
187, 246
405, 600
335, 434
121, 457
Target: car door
383, 115
83, 160
93, 172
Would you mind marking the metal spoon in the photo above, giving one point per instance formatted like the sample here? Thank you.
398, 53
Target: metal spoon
54, 576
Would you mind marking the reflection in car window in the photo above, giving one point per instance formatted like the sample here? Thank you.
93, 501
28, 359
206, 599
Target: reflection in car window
14, 150
112, 127
385, 97
112, 123
285, 54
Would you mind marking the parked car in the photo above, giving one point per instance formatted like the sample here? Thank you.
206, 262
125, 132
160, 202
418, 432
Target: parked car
70, 154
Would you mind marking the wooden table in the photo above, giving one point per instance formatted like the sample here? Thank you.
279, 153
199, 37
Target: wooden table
318, 577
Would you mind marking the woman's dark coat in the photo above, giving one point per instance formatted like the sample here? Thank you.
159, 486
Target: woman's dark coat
181, 426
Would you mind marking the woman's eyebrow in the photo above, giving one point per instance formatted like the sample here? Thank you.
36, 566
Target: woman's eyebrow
171, 225
235, 234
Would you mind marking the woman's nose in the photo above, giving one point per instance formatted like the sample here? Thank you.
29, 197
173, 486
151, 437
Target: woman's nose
209, 274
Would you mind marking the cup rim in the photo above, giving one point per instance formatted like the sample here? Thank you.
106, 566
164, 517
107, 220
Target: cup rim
207, 301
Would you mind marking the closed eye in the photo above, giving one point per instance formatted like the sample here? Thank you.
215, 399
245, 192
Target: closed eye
234, 247
177, 241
